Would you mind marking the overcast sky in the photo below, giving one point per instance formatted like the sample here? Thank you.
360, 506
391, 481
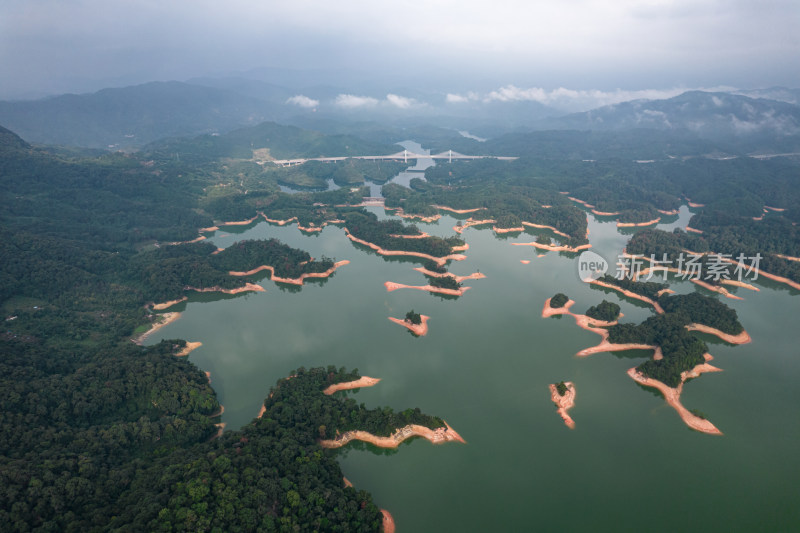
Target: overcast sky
49, 46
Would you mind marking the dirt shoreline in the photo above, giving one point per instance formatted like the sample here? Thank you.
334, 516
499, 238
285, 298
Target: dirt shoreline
363, 381
552, 248
189, 348
420, 330
292, 281
716, 288
434, 436
248, 287
628, 293
398, 211
564, 403
438, 260
166, 305
673, 396
459, 279
741, 338
501, 231
392, 286
693, 230
469, 223
163, 320
638, 224
458, 211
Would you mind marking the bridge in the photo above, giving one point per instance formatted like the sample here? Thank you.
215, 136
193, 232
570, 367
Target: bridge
404, 156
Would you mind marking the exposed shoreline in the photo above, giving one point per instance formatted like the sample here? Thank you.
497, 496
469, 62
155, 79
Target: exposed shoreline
458, 211
638, 224
392, 286
716, 288
163, 320
551, 228
693, 230
434, 436
469, 223
420, 330
673, 396
166, 305
398, 211
189, 348
741, 338
551, 248
248, 287
628, 293
292, 281
459, 279
564, 403
363, 381
438, 260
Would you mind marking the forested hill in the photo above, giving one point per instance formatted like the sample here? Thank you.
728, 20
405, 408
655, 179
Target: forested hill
98, 433
130, 117
280, 142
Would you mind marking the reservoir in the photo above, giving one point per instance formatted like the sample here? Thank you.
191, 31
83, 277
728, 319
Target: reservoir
485, 365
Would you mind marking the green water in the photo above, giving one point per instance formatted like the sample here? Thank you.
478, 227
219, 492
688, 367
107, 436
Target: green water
630, 464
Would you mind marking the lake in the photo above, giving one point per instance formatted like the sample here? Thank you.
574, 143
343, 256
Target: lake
629, 465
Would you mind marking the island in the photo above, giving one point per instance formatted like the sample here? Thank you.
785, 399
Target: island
563, 395
416, 323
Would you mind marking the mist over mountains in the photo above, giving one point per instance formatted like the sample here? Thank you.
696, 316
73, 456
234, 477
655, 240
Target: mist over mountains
129, 118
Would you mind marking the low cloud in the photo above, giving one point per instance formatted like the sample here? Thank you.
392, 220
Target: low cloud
400, 101
303, 101
461, 98
351, 101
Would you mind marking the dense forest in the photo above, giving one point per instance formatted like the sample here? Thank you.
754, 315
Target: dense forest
288, 262
387, 235
99, 433
605, 311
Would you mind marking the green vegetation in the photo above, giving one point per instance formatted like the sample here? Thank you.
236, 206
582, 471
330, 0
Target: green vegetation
99, 433
648, 289
445, 282
288, 262
314, 174
559, 300
561, 388
605, 311
367, 227
414, 318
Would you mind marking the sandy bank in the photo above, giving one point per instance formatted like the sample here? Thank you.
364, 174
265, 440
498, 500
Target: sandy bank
279, 222
420, 236
248, 287
239, 222
606, 346
671, 212
388, 522
638, 224
347, 482
781, 279
392, 286
551, 228
420, 330
549, 311
262, 411
693, 230
208, 229
435, 436
590, 206
741, 338
564, 403
716, 288
459, 279
159, 322
788, 257
458, 228
778, 209
459, 211
627, 293
741, 284
673, 396
665, 291
166, 305
198, 239
189, 348
460, 248
292, 281
552, 248
606, 213
438, 260
219, 412
363, 381
525, 261
501, 231
398, 211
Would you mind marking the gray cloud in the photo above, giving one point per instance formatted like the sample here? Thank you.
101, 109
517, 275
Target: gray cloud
588, 43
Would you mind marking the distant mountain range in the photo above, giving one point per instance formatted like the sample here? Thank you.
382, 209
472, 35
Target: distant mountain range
131, 117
